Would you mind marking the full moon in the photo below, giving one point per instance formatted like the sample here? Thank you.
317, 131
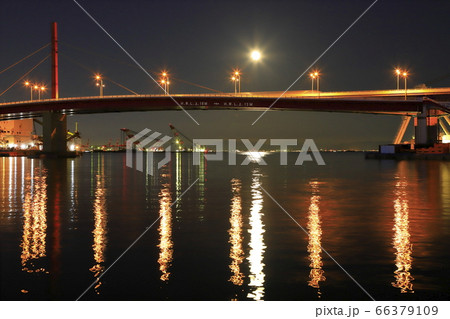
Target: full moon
256, 55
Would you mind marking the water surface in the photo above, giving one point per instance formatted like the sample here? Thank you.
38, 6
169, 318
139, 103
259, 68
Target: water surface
384, 223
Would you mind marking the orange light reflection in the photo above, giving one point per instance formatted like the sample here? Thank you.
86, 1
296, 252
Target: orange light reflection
314, 241
35, 221
100, 231
165, 232
401, 242
235, 231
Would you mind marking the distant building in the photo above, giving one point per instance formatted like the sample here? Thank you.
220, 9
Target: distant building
17, 134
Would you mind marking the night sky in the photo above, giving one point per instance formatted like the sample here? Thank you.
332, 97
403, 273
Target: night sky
202, 41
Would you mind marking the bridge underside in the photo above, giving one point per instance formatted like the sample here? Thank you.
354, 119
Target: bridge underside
54, 111
72, 106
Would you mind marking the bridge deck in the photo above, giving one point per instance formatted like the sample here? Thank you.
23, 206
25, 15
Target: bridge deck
293, 101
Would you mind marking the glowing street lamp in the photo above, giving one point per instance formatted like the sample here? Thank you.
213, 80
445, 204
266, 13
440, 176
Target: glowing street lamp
236, 77
100, 83
405, 75
28, 84
41, 89
312, 76
36, 88
315, 76
165, 82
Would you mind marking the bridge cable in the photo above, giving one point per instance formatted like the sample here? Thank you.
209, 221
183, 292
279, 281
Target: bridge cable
23, 59
28, 72
198, 85
98, 54
122, 86
91, 71
135, 66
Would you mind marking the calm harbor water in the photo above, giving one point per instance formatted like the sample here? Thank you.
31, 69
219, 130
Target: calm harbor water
64, 222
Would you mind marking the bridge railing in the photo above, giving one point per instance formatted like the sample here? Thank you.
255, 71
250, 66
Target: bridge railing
96, 97
287, 95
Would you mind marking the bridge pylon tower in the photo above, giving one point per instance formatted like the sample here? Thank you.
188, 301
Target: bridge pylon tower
54, 122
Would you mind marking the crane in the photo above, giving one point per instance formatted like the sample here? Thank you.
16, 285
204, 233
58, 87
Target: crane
72, 135
181, 141
127, 134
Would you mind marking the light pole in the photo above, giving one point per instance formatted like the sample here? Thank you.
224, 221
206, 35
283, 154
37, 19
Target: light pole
164, 85
41, 89
28, 84
236, 78
315, 76
237, 74
165, 82
318, 86
312, 81
36, 87
233, 78
405, 75
100, 84
398, 72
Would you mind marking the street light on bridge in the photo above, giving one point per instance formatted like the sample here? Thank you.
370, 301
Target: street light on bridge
28, 84
99, 83
236, 78
405, 75
315, 75
165, 83
40, 89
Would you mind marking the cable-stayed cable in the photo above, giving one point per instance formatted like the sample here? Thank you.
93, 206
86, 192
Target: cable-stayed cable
136, 67
28, 72
91, 71
23, 59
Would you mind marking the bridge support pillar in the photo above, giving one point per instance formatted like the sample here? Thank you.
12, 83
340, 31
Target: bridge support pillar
55, 133
426, 128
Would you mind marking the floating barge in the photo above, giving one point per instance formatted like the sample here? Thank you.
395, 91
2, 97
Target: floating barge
438, 151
